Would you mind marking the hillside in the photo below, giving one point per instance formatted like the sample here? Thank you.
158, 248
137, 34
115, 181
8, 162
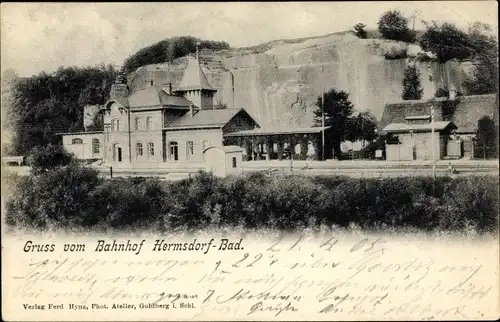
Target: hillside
278, 82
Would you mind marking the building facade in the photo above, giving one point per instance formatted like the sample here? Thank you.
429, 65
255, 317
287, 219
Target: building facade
409, 127
158, 126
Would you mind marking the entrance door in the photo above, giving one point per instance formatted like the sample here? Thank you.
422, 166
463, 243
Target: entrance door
117, 153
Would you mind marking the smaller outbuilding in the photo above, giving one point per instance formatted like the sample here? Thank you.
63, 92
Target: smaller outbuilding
223, 160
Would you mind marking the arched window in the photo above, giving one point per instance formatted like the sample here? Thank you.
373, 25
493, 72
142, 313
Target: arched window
96, 148
76, 141
112, 125
118, 125
138, 149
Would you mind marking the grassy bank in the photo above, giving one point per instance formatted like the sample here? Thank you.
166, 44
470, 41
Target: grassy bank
74, 197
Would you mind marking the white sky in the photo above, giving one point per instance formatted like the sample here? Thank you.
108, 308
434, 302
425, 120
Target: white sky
36, 37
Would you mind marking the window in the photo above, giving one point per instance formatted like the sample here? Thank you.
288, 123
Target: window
118, 125
173, 150
137, 121
96, 146
189, 149
234, 162
76, 141
151, 148
149, 123
138, 149
112, 125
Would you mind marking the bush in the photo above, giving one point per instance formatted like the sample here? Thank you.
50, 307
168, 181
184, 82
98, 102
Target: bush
42, 158
57, 198
396, 53
74, 197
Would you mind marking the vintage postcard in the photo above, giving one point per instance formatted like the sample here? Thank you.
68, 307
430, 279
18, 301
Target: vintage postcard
248, 161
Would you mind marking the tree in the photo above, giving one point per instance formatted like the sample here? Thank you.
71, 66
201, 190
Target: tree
412, 89
365, 126
337, 112
46, 104
484, 79
359, 30
485, 141
44, 158
393, 25
446, 41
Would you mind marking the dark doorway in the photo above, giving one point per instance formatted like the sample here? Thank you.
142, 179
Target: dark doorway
119, 154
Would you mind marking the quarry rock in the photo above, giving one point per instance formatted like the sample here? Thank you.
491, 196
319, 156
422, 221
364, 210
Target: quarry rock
285, 78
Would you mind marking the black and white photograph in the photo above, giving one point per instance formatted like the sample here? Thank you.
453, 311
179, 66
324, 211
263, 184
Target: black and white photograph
250, 161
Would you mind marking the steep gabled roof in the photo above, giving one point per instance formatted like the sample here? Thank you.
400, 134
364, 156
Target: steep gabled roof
153, 96
205, 118
194, 78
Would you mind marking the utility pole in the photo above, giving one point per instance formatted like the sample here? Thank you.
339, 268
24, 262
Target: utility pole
323, 125
433, 144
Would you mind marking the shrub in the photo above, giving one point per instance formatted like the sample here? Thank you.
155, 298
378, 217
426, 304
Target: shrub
396, 53
43, 158
74, 197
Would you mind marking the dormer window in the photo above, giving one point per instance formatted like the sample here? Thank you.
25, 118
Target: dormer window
419, 119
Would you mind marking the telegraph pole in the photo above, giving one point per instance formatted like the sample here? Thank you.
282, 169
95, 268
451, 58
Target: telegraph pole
323, 125
433, 144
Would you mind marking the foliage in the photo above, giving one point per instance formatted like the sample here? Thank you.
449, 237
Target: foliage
393, 25
396, 53
486, 139
446, 41
169, 49
359, 30
365, 126
43, 158
74, 197
478, 44
337, 110
56, 198
449, 107
45, 104
344, 125
412, 89
484, 79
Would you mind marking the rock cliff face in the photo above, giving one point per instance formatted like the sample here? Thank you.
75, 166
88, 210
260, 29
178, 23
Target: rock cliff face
279, 82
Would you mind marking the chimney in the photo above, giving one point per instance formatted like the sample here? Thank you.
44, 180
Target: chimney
452, 93
170, 88
119, 89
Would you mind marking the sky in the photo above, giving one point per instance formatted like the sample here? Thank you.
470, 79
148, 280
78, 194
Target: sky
39, 37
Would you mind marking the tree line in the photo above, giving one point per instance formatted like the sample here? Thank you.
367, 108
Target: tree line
37, 108
169, 49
